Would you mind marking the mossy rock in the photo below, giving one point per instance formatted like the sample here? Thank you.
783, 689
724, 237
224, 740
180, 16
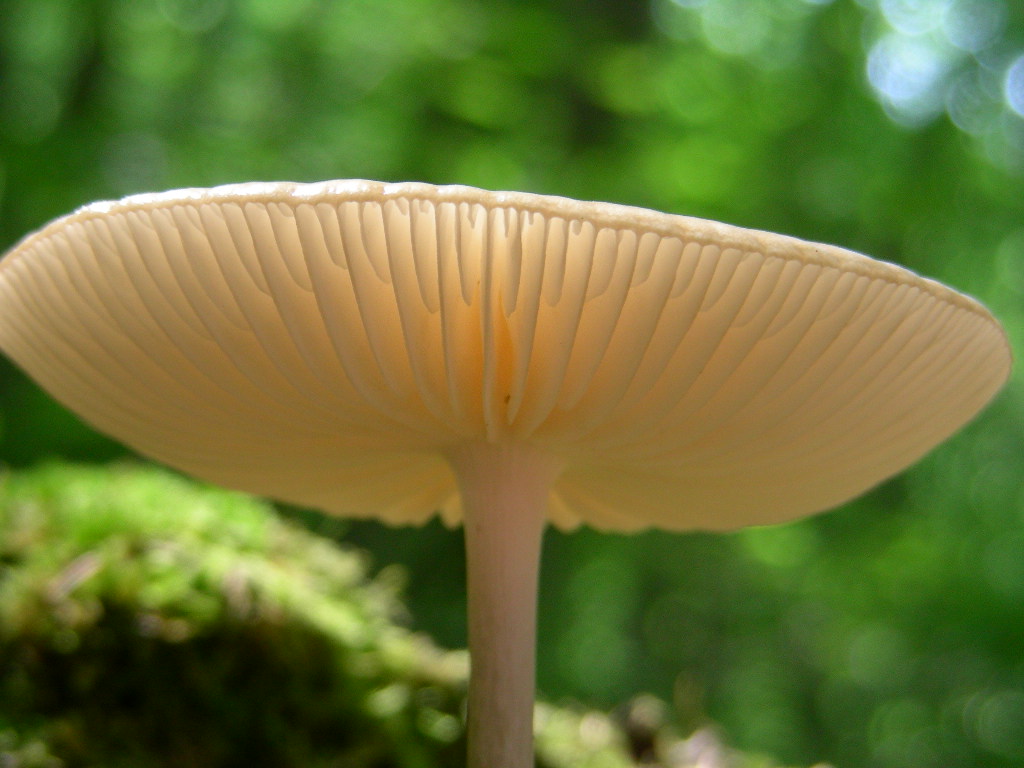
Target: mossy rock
148, 621
145, 620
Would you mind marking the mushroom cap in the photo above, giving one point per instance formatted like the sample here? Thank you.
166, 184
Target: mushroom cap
330, 344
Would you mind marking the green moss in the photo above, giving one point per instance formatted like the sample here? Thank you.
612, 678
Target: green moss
145, 620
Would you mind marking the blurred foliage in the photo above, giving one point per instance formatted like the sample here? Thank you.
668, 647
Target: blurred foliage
884, 634
147, 621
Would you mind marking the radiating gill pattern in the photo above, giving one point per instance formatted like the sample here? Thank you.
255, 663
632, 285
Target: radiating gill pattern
220, 334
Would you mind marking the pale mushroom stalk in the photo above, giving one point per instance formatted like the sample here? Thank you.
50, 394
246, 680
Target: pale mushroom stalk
504, 490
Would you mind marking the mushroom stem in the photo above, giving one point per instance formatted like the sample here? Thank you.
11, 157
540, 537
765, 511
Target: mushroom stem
504, 499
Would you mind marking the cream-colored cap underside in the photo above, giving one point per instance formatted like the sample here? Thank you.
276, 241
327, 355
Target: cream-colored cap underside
326, 344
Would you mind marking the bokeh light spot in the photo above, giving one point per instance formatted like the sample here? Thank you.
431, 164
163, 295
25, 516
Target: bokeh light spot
781, 546
971, 25
906, 72
1000, 723
914, 17
968, 106
1014, 85
878, 656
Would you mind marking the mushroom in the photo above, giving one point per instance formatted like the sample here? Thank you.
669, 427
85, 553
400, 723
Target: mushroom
504, 359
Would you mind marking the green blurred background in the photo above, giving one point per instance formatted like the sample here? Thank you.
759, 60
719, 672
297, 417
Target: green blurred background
886, 633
